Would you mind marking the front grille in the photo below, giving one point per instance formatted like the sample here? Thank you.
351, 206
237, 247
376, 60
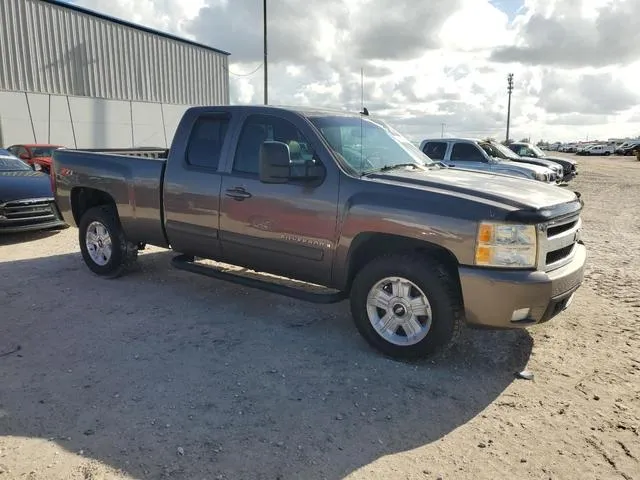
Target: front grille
557, 230
27, 212
559, 239
558, 255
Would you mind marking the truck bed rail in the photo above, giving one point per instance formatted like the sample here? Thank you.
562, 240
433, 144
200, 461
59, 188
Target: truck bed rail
149, 152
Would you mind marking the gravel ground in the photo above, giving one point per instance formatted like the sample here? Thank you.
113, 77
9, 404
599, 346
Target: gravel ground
166, 374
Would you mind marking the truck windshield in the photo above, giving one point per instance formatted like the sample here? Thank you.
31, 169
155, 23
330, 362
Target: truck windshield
506, 151
537, 150
368, 145
12, 164
492, 150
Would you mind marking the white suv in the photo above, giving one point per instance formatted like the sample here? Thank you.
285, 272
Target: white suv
599, 150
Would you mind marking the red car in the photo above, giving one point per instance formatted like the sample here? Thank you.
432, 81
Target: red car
35, 154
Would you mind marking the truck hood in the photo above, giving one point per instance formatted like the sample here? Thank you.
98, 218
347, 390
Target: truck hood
543, 162
560, 160
516, 192
521, 165
18, 185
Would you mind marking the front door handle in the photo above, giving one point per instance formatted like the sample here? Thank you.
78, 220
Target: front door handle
238, 193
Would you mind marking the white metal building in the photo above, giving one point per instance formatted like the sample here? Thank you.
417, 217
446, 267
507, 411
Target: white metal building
74, 77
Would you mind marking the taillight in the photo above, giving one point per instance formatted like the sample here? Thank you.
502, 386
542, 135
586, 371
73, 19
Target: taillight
52, 177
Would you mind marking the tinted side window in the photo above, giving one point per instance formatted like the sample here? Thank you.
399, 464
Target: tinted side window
260, 128
526, 152
466, 152
206, 140
435, 150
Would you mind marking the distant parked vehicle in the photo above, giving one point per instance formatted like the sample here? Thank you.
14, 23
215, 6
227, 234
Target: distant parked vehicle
582, 147
598, 150
26, 197
543, 162
628, 148
474, 154
35, 154
554, 147
568, 148
527, 150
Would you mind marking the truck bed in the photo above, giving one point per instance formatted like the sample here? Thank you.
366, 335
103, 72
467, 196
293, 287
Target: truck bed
134, 182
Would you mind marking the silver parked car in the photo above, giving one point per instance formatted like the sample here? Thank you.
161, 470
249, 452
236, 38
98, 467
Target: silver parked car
475, 154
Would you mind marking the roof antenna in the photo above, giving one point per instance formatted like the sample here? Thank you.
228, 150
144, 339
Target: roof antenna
364, 109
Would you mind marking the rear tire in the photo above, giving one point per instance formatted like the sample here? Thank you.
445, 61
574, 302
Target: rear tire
406, 306
104, 247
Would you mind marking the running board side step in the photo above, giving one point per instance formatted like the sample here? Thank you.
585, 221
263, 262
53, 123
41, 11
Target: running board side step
186, 262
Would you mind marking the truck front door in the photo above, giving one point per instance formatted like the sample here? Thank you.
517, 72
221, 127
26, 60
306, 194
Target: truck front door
287, 229
468, 155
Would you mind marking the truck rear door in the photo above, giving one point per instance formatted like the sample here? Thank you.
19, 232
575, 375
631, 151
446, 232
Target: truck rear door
192, 186
287, 229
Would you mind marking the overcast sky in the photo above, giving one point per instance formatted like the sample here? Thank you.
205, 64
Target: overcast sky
576, 63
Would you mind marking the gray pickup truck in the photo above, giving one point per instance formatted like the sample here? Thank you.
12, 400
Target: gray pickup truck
342, 201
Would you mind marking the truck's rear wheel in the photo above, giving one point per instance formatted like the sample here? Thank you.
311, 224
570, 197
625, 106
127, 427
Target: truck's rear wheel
104, 247
406, 306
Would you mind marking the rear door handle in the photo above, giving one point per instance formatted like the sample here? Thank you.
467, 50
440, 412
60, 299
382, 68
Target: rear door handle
238, 193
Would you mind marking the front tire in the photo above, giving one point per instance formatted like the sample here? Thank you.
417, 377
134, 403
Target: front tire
104, 247
406, 306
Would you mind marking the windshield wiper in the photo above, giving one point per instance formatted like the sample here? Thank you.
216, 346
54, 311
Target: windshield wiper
392, 167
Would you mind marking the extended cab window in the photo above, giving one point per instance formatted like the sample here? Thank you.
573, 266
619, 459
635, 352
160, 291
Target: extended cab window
466, 152
435, 150
206, 140
261, 128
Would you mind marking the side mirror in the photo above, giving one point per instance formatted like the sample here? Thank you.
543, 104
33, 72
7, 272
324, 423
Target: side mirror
36, 167
275, 162
276, 165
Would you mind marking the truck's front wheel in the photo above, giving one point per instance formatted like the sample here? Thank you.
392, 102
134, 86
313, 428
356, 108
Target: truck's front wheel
104, 247
406, 306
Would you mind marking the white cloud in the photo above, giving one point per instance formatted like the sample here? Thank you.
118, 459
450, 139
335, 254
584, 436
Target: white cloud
477, 25
428, 63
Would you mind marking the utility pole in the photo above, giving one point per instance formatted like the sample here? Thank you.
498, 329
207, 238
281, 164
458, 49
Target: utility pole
264, 11
442, 131
362, 88
509, 90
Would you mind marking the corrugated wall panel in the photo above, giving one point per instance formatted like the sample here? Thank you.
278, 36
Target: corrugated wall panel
49, 48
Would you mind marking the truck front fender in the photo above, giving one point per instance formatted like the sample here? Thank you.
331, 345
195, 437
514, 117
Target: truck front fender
370, 227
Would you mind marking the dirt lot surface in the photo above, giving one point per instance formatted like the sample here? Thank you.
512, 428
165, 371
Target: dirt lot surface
166, 374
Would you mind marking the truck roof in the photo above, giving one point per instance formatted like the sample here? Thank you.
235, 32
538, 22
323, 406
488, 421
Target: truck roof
302, 110
455, 139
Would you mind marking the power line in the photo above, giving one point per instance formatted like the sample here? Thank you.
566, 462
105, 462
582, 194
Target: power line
253, 72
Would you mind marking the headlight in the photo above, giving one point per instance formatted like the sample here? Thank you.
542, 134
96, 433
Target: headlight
506, 245
543, 177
